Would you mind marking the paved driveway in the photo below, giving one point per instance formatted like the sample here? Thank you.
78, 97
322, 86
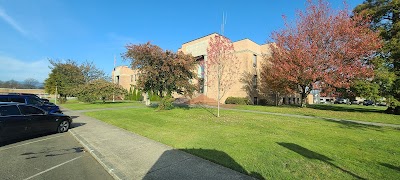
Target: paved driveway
55, 156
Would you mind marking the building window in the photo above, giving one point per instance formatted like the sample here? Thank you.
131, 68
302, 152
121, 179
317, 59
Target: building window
254, 60
131, 78
255, 81
201, 85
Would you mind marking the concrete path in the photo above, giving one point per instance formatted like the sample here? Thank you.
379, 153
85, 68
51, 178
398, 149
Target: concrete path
309, 117
126, 155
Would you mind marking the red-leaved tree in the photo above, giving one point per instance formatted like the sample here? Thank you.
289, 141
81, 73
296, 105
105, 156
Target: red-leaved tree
221, 65
324, 50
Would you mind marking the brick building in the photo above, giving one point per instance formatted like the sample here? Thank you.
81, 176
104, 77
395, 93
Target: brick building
248, 52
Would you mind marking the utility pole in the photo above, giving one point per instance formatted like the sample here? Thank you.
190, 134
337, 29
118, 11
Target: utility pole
113, 79
55, 97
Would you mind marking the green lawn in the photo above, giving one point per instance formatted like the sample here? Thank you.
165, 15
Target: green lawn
339, 111
76, 105
269, 146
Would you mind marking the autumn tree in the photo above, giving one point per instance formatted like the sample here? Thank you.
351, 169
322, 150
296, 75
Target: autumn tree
323, 49
162, 72
221, 66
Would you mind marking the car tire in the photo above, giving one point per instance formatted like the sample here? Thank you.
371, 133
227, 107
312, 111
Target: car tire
63, 126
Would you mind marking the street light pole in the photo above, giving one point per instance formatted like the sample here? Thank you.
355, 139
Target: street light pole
55, 97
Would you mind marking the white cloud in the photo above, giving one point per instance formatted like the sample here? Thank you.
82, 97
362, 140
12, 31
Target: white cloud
12, 22
11, 68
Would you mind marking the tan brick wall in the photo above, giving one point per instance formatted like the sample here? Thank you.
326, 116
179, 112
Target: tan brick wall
126, 76
244, 50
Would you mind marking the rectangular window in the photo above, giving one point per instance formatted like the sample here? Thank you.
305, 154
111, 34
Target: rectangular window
9, 111
254, 60
131, 78
255, 81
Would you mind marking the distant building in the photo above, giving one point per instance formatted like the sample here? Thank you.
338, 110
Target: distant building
124, 76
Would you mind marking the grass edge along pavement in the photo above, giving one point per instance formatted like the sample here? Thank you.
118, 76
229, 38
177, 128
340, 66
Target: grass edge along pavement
269, 146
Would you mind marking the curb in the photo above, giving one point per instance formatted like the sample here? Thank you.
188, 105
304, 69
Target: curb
98, 156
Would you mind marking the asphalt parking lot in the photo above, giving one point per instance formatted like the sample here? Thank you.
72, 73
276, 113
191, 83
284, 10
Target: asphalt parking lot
54, 156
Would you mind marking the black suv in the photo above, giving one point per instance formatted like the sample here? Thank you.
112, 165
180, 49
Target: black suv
20, 120
30, 100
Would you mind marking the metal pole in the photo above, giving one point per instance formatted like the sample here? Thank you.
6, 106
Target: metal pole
113, 80
55, 97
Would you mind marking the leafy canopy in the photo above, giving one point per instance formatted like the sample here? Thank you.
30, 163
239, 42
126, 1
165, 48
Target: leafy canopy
162, 72
324, 50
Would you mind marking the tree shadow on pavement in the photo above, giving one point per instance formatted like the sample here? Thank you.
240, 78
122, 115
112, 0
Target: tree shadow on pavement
314, 155
48, 152
173, 164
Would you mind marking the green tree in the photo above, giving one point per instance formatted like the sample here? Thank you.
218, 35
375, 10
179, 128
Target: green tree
99, 89
65, 76
91, 72
385, 15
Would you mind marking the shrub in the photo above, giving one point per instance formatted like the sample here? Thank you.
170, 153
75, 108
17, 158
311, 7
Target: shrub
237, 100
166, 103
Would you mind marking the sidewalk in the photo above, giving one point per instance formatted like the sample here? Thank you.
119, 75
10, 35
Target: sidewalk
126, 155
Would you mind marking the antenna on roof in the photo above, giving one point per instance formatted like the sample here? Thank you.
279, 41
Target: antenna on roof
224, 19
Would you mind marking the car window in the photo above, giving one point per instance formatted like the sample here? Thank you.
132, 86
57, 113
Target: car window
4, 99
17, 99
33, 101
29, 110
9, 110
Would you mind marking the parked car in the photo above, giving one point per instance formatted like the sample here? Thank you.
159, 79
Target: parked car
368, 103
355, 102
31, 100
33, 95
19, 120
341, 101
381, 104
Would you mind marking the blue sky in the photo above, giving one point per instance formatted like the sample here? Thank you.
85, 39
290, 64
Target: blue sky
32, 31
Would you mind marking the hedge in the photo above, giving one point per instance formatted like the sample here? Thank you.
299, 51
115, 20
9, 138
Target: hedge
237, 100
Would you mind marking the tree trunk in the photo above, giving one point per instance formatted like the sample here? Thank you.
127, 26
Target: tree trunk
303, 96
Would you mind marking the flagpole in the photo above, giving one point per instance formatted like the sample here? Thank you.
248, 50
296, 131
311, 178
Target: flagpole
113, 80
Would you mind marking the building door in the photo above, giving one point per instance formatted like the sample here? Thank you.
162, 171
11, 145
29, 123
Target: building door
255, 101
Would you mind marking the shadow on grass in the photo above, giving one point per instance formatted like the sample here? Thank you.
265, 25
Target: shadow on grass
314, 155
390, 166
355, 125
206, 108
347, 108
171, 166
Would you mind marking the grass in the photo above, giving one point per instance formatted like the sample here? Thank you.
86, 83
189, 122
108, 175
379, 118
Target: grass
270, 146
76, 105
338, 111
